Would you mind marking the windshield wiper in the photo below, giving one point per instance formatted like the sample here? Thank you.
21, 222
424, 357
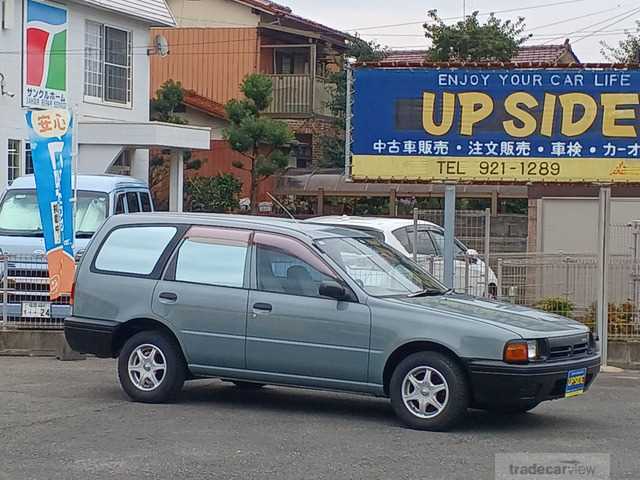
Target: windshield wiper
429, 292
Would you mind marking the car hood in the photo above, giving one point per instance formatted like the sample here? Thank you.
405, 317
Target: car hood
31, 245
526, 322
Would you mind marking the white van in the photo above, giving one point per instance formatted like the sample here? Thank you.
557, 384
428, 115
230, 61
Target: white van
398, 232
21, 239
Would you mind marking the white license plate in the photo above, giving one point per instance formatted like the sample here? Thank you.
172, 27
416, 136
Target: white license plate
36, 309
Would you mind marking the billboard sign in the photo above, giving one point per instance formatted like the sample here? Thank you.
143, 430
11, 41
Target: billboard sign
44, 55
51, 150
510, 125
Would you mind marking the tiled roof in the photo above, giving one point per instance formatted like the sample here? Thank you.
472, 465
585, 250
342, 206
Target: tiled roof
285, 12
215, 109
526, 54
155, 12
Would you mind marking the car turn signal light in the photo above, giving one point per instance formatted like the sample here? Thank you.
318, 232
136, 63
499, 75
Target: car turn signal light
516, 352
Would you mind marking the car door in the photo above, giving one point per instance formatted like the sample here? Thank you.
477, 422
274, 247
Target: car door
204, 295
291, 329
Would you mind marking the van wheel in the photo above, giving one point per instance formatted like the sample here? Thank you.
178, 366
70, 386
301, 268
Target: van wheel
151, 368
429, 391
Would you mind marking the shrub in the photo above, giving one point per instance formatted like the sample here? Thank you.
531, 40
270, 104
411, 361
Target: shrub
557, 305
217, 194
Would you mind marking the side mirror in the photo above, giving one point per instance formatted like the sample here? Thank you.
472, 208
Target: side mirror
332, 290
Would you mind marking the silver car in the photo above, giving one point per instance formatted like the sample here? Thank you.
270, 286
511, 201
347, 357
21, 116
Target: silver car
258, 301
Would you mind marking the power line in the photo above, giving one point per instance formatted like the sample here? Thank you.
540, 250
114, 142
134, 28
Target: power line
509, 10
607, 26
626, 14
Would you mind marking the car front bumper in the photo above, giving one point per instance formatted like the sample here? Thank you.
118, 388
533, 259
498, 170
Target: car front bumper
496, 383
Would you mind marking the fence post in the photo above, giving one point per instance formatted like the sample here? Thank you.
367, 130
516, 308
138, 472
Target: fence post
5, 286
499, 287
467, 265
487, 247
415, 235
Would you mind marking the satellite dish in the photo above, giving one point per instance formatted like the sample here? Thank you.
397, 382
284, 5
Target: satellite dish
161, 45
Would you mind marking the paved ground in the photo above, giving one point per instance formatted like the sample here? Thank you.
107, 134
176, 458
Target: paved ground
69, 420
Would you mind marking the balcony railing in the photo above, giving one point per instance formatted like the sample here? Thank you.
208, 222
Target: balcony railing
300, 95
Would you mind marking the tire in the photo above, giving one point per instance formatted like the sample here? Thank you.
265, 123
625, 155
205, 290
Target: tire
137, 382
447, 386
513, 409
248, 385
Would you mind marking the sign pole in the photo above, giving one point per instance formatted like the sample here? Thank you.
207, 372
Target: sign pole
602, 320
74, 155
449, 233
347, 128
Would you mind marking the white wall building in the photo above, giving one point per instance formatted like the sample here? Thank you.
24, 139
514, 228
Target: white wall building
100, 61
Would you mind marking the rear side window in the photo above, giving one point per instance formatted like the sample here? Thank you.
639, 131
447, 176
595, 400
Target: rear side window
145, 202
119, 204
213, 256
132, 202
134, 250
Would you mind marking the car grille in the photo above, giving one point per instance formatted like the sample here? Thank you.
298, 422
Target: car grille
570, 347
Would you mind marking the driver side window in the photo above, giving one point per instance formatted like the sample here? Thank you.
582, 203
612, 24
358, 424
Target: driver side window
284, 265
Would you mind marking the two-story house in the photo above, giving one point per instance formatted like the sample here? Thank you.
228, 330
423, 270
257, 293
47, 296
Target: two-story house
91, 56
217, 43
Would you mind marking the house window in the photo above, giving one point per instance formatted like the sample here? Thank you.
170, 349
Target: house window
304, 150
107, 72
122, 164
13, 161
28, 159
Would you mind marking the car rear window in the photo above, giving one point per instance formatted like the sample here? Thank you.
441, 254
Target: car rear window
134, 250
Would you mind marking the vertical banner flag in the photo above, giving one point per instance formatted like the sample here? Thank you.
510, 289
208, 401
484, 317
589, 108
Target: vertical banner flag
51, 150
44, 55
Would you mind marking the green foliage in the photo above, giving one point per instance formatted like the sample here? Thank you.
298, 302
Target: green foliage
264, 142
217, 194
332, 144
168, 97
557, 305
627, 50
469, 40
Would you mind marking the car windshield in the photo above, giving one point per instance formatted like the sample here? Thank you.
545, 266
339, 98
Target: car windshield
378, 269
19, 215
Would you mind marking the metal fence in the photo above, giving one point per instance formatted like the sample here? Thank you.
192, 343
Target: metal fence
562, 283
25, 294
473, 235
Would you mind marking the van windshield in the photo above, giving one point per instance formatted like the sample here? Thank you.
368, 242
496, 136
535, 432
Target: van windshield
19, 215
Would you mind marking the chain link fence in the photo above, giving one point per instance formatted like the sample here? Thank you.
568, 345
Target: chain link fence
25, 294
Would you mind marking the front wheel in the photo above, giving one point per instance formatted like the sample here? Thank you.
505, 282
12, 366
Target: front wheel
429, 391
151, 368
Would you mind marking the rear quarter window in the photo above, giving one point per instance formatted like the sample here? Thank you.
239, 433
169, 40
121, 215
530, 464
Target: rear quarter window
134, 250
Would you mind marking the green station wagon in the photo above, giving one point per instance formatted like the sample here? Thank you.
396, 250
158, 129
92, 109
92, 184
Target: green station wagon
257, 301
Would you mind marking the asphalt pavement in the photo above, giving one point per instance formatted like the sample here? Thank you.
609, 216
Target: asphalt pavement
70, 420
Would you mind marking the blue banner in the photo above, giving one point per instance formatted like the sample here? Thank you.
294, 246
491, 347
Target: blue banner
51, 150
527, 125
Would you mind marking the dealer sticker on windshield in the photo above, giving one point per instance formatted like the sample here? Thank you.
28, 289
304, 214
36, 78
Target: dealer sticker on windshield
575, 382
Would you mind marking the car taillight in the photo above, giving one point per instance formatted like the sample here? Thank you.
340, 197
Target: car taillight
73, 293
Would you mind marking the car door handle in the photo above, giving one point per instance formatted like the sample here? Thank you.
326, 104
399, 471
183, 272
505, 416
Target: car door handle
169, 297
262, 307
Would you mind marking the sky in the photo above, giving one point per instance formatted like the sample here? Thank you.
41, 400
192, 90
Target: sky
585, 22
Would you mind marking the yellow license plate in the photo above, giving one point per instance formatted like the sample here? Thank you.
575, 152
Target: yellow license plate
576, 380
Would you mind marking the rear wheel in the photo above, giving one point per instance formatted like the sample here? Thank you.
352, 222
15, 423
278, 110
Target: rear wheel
151, 368
429, 391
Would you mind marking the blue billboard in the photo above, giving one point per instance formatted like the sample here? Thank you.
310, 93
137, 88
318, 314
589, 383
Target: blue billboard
513, 125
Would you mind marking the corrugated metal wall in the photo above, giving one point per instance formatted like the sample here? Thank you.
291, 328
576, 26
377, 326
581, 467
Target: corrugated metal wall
211, 61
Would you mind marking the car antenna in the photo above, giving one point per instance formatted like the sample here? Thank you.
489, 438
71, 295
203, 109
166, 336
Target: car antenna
277, 202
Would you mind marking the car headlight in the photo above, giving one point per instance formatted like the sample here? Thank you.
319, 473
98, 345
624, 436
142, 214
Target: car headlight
521, 351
